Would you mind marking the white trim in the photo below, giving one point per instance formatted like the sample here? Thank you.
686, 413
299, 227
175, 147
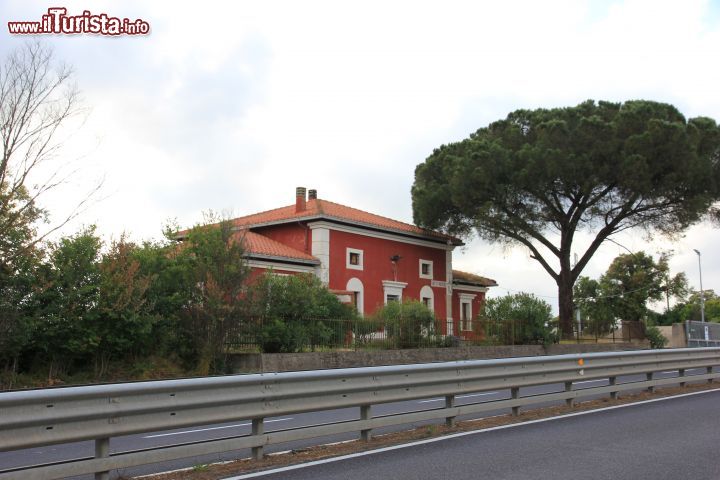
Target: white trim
427, 292
448, 289
469, 288
356, 285
466, 323
361, 256
321, 251
422, 262
382, 235
280, 266
391, 287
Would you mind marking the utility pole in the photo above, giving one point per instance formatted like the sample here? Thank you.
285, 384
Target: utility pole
702, 293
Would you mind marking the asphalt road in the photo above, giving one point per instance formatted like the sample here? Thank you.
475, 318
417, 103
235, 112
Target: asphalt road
670, 439
86, 449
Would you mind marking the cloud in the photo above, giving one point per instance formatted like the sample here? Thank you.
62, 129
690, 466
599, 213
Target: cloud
231, 105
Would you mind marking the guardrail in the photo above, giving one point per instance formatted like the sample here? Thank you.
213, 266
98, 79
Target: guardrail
36, 418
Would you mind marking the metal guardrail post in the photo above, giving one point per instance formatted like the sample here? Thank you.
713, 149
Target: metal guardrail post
366, 414
649, 377
102, 450
515, 393
709, 370
613, 395
681, 373
258, 428
450, 403
568, 388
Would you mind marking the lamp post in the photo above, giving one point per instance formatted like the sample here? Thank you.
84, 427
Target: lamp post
702, 294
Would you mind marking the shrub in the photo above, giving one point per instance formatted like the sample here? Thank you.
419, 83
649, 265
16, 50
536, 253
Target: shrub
656, 338
519, 319
406, 324
297, 312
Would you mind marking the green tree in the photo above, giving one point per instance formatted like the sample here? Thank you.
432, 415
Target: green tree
121, 317
169, 292
523, 319
407, 324
17, 311
690, 310
69, 291
295, 312
624, 290
539, 177
595, 306
631, 281
213, 258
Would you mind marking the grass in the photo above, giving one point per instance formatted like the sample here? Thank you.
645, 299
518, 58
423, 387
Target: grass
148, 368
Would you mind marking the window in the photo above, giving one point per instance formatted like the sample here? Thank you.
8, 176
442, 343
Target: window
427, 297
354, 259
393, 291
465, 317
466, 311
426, 269
356, 286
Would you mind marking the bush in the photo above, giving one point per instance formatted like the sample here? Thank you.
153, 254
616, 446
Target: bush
298, 312
407, 324
519, 319
656, 338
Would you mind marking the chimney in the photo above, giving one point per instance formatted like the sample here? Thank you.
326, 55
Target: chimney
312, 194
300, 199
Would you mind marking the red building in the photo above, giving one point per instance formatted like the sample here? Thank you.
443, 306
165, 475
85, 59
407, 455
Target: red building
365, 258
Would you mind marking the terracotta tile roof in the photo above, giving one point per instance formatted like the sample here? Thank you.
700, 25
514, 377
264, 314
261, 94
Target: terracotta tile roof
256, 244
472, 279
317, 208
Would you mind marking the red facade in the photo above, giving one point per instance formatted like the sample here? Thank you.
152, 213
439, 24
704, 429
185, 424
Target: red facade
366, 258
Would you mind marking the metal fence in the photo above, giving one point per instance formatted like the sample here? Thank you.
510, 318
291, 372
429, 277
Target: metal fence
622, 331
702, 334
39, 418
311, 334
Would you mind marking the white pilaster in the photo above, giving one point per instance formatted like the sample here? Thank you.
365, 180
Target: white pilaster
448, 289
321, 251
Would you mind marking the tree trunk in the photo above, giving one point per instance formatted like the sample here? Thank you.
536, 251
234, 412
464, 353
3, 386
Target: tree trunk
565, 305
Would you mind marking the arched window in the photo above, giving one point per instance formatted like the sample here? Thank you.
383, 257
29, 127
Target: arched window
354, 285
428, 297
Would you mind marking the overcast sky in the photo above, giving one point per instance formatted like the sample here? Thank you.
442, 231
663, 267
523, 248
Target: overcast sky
230, 105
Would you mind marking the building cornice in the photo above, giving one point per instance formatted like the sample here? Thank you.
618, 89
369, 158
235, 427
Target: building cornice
365, 231
469, 288
280, 266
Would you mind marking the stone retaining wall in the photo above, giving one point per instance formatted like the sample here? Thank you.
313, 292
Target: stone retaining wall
288, 362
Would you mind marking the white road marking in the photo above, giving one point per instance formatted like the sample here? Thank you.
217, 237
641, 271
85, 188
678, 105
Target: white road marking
459, 396
212, 428
591, 381
455, 435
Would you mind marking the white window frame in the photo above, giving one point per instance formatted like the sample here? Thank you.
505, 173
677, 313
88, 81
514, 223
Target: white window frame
422, 262
356, 285
466, 323
393, 288
349, 265
427, 292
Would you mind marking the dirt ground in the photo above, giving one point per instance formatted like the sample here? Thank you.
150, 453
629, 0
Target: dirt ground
219, 471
